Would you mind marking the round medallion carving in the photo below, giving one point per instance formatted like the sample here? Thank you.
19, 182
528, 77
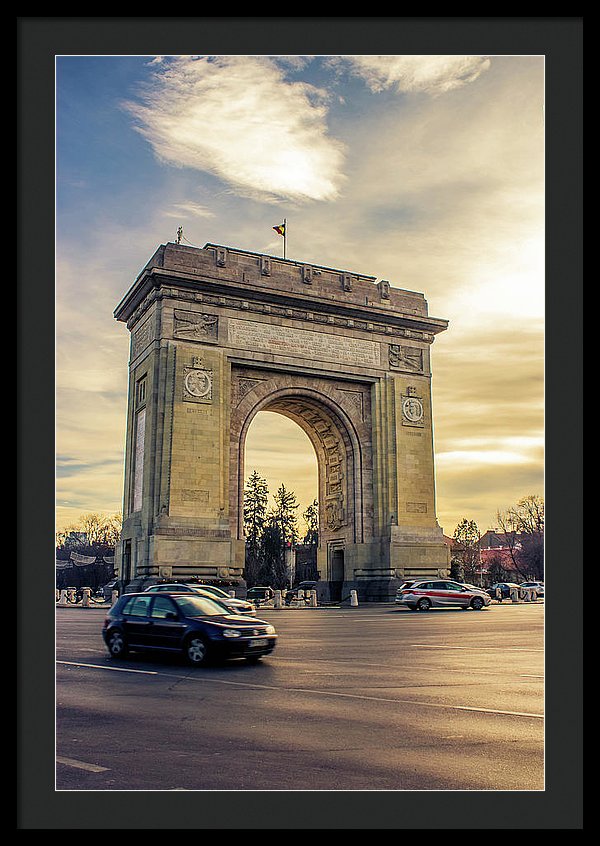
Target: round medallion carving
412, 408
198, 383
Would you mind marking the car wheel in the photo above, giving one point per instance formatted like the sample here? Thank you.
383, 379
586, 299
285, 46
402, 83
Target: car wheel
116, 644
196, 650
477, 603
423, 604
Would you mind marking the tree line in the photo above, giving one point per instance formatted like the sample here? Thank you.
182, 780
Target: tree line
94, 536
521, 530
270, 532
91, 534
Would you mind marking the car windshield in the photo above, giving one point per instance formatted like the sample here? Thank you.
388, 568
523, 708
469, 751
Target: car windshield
201, 606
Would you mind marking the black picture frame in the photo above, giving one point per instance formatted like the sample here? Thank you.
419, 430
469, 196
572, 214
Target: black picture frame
39, 40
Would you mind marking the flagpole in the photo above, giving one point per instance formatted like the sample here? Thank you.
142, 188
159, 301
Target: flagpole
284, 235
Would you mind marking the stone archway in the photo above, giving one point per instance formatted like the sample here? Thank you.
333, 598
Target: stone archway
218, 335
336, 418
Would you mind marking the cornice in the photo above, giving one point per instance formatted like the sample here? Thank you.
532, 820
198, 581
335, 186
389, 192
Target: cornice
158, 283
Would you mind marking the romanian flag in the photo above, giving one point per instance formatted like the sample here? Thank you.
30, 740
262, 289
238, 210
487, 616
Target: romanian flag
280, 229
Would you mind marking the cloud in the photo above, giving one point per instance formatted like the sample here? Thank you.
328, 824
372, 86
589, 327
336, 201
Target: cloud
431, 75
237, 118
189, 208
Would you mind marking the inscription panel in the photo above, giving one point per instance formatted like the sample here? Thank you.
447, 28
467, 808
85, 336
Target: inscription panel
138, 467
286, 340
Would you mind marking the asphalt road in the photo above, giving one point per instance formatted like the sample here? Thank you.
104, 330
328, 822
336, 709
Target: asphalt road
368, 698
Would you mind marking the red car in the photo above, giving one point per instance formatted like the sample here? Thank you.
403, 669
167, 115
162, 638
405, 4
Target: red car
423, 595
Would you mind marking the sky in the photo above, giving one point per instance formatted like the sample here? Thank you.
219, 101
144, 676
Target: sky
427, 171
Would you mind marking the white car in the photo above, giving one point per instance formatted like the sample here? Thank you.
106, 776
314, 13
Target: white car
425, 594
235, 606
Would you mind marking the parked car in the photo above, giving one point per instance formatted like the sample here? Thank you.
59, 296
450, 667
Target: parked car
505, 589
537, 586
195, 626
293, 594
423, 595
221, 594
108, 588
218, 592
307, 585
238, 606
259, 594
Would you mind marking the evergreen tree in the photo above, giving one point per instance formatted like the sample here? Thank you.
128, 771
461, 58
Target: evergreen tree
280, 534
272, 569
284, 514
256, 495
311, 518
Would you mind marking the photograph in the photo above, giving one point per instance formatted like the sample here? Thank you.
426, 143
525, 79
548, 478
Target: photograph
300, 423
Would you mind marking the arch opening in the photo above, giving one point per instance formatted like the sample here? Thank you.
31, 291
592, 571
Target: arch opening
281, 452
339, 462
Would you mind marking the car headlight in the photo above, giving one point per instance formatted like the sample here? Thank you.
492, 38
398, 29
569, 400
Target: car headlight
231, 633
270, 630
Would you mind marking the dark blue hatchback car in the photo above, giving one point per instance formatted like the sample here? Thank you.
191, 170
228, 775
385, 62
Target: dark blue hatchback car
197, 627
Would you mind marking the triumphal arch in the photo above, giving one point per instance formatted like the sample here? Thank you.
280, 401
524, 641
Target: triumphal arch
219, 334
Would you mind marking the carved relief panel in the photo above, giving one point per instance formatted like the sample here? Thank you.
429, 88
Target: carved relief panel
406, 358
192, 326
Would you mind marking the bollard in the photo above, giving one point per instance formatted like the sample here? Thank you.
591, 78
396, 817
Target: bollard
514, 594
277, 603
526, 596
301, 596
63, 598
353, 598
532, 595
71, 595
499, 594
114, 596
87, 592
56, 595
313, 599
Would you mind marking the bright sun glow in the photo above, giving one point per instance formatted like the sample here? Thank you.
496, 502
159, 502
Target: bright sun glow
281, 453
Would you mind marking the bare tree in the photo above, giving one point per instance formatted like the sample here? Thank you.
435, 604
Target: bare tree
496, 569
465, 551
93, 530
523, 526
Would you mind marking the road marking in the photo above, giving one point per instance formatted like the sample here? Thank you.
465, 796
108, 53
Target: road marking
350, 665
384, 699
81, 765
254, 686
104, 667
478, 648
